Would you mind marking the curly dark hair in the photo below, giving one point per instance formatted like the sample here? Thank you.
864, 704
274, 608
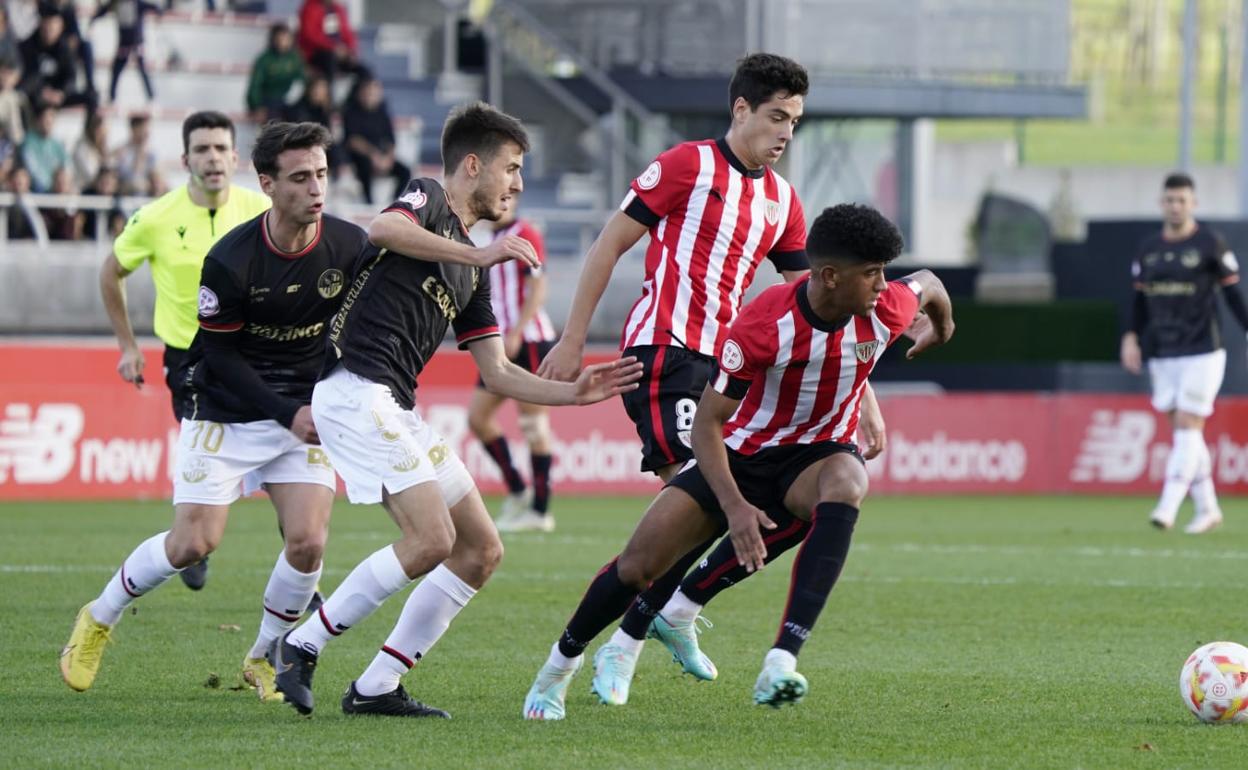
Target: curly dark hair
277, 137
1178, 180
761, 75
850, 232
480, 130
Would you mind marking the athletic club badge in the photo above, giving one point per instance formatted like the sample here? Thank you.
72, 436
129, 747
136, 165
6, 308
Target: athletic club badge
208, 303
866, 350
731, 358
771, 210
650, 177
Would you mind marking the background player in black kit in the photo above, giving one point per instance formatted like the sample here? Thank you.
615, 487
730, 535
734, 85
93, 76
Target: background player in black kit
1174, 324
268, 291
421, 276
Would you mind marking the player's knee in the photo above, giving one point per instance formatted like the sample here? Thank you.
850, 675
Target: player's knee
536, 429
305, 548
480, 426
636, 570
192, 548
490, 555
843, 484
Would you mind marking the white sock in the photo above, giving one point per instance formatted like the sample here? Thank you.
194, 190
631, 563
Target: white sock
786, 660
560, 661
427, 614
621, 639
1180, 470
285, 598
1203, 493
373, 580
680, 609
145, 568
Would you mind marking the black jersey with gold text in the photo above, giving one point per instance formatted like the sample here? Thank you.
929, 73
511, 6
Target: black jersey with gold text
275, 308
1179, 281
398, 307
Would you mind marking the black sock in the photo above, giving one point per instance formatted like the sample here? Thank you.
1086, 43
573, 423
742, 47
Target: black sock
639, 616
815, 570
501, 454
720, 569
541, 483
604, 601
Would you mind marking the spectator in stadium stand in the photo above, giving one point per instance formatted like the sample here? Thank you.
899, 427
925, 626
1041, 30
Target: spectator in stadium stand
43, 154
24, 219
50, 73
8, 41
326, 39
275, 71
62, 224
104, 184
136, 162
79, 43
14, 105
130, 15
317, 106
90, 152
369, 137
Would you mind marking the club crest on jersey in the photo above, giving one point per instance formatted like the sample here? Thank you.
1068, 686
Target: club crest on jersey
1230, 261
330, 283
731, 357
1190, 259
866, 350
209, 305
650, 177
416, 199
771, 210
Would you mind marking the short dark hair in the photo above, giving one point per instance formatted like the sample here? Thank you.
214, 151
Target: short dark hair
205, 119
1179, 180
759, 76
850, 232
277, 29
481, 130
277, 137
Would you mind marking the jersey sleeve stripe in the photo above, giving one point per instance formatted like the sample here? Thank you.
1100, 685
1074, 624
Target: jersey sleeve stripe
476, 334
206, 326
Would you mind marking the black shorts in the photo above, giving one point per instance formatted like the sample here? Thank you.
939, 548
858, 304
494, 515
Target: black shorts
175, 378
663, 404
528, 358
764, 477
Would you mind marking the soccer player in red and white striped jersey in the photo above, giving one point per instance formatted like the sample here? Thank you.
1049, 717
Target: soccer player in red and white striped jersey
518, 293
773, 442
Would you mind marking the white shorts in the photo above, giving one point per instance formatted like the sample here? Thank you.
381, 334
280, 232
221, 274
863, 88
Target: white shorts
376, 444
218, 461
1187, 383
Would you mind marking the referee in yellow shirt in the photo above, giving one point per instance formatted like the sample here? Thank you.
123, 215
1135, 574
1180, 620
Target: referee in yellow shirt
174, 233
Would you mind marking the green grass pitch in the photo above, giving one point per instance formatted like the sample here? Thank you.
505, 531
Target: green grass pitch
965, 633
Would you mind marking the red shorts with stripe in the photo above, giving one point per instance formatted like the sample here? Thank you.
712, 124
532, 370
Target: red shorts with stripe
528, 358
663, 404
764, 477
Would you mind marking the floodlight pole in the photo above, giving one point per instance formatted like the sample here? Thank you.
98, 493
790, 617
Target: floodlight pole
1186, 85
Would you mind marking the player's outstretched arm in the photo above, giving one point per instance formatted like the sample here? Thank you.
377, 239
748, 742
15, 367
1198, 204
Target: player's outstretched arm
113, 293
563, 362
938, 308
596, 383
398, 233
715, 409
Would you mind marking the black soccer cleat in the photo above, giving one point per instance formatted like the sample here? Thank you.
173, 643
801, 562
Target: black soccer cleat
196, 575
293, 667
396, 703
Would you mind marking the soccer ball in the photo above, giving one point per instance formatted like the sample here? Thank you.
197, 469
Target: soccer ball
1214, 683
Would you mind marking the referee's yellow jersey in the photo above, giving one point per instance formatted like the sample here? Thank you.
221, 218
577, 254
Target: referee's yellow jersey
175, 235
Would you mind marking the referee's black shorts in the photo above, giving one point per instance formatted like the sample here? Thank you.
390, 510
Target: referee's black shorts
663, 404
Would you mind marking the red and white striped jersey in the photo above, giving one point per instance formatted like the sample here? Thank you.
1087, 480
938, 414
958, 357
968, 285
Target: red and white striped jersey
712, 221
799, 378
509, 287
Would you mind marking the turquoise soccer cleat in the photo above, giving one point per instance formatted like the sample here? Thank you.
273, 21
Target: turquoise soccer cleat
682, 641
613, 674
546, 697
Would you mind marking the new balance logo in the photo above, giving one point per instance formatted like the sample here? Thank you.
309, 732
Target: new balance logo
1115, 446
37, 444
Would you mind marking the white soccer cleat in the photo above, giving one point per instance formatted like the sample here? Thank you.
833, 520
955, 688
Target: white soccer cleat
527, 521
514, 506
1161, 521
1204, 522
545, 700
613, 673
779, 683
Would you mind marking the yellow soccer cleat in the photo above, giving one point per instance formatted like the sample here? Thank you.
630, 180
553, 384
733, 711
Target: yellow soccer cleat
80, 659
259, 673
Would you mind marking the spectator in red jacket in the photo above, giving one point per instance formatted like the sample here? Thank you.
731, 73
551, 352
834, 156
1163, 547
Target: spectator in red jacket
326, 38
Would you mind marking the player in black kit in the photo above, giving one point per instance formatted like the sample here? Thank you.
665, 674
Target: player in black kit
422, 275
268, 291
1174, 325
